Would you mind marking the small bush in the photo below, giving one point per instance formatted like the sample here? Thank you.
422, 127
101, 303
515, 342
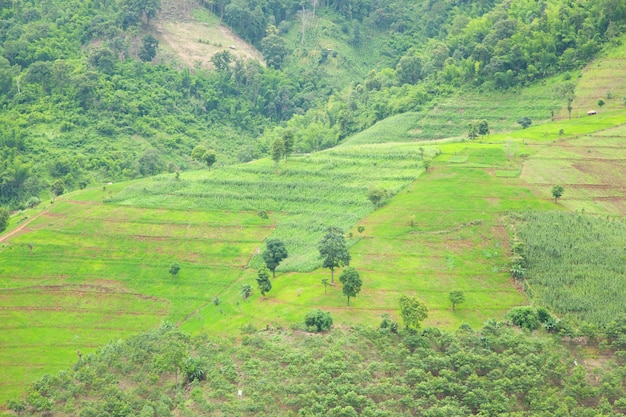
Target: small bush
318, 321
525, 317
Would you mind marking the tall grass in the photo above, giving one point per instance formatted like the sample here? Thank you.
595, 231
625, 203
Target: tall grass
576, 263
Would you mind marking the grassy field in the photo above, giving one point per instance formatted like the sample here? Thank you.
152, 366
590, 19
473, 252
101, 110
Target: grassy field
84, 273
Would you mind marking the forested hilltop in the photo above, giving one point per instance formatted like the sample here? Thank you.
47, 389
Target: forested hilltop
87, 97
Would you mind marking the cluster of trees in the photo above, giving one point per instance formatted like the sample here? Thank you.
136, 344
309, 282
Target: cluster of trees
436, 47
496, 370
83, 104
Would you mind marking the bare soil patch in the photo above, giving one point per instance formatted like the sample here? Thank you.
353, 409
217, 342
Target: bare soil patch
194, 43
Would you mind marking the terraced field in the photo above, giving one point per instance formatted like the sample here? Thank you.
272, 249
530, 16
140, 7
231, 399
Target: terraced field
84, 273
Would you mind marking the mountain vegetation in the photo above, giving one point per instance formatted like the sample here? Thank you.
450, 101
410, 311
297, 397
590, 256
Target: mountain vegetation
436, 154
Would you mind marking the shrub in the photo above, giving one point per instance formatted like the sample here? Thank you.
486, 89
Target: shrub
318, 321
525, 317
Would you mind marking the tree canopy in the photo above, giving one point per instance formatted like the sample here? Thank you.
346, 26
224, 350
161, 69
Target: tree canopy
333, 251
351, 283
274, 253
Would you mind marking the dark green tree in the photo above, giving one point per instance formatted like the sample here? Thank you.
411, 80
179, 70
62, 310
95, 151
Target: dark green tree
333, 251
351, 283
148, 50
4, 219
524, 122
274, 254
557, 192
318, 320
263, 280
413, 311
456, 297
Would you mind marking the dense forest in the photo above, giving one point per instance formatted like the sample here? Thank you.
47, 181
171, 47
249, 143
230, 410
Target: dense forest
83, 102
351, 372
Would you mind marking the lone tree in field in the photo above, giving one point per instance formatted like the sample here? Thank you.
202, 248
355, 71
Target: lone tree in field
263, 279
376, 195
273, 255
333, 251
524, 122
413, 311
456, 297
174, 269
318, 321
557, 192
351, 283
204, 156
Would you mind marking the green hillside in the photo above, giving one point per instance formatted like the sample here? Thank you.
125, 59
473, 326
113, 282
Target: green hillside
362, 116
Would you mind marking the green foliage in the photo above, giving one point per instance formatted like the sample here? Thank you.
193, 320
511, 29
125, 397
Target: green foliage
246, 291
524, 122
351, 283
557, 192
174, 269
376, 195
204, 156
601, 103
318, 321
456, 298
361, 371
333, 250
263, 280
274, 253
387, 324
194, 369
412, 311
525, 317
278, 149
58, 187
148, 50
4, 219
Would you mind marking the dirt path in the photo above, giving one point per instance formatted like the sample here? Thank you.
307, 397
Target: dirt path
22, 226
